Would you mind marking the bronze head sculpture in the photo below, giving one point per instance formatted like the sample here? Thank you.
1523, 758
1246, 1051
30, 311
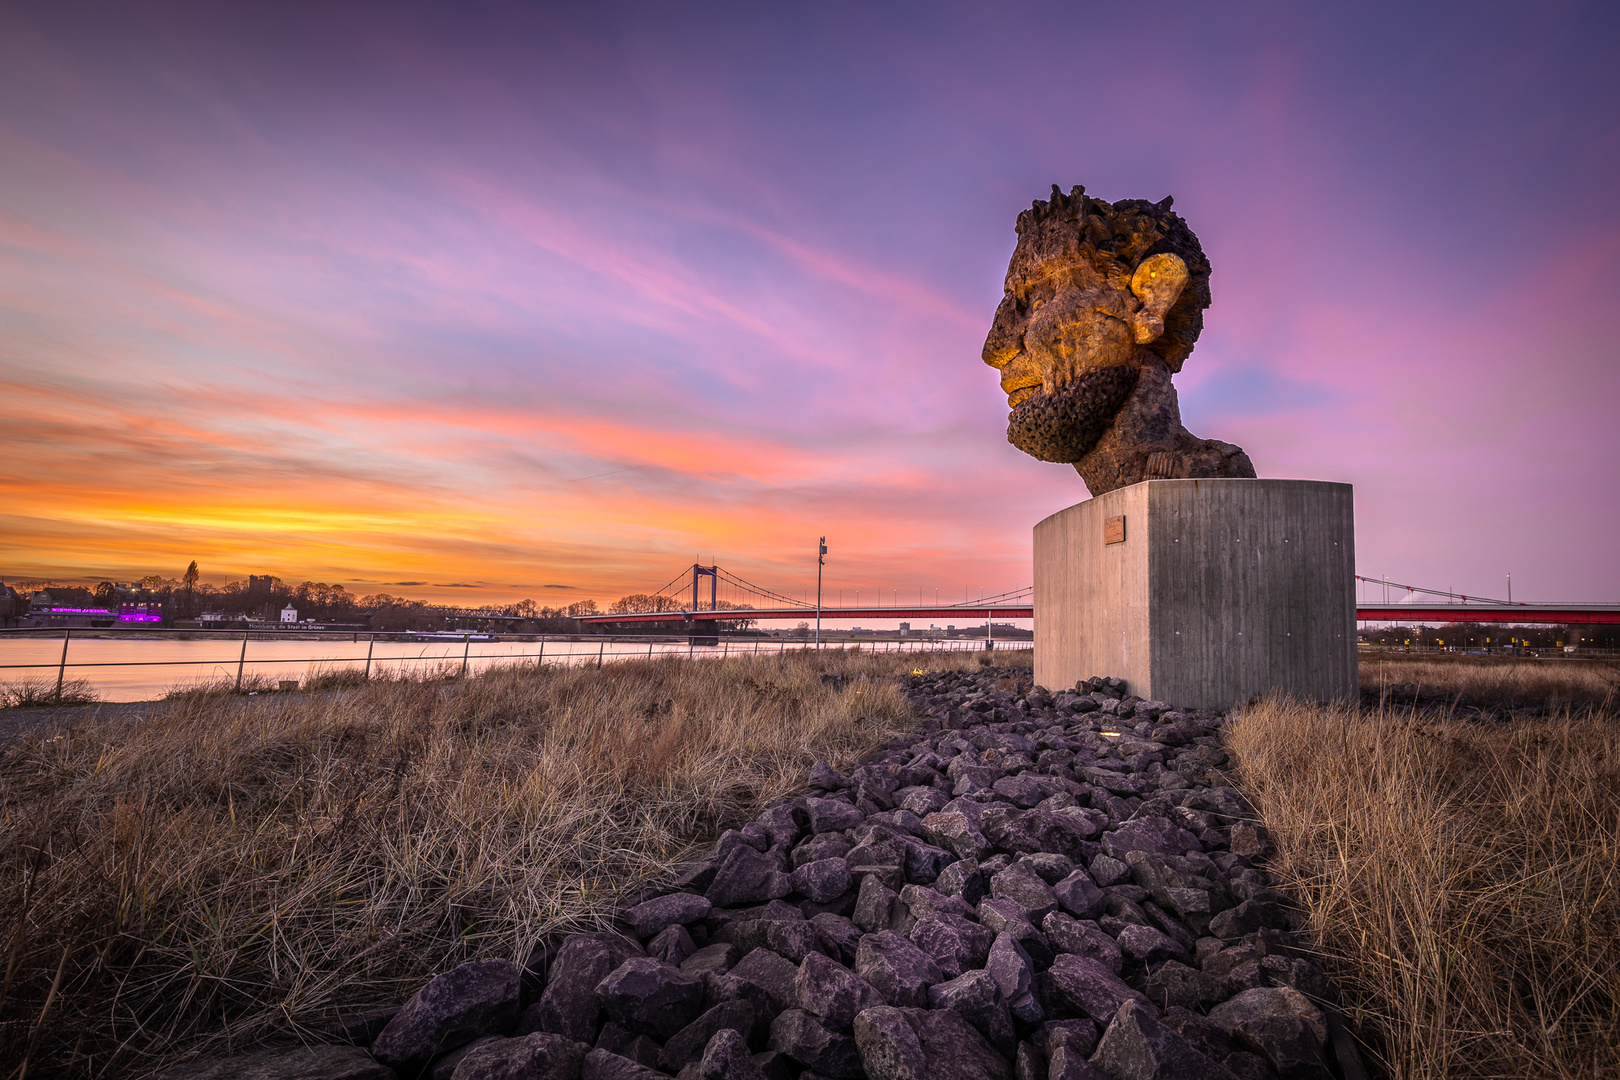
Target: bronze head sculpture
1102, 304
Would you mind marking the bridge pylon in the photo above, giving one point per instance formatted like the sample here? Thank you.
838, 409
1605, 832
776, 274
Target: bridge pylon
712, 573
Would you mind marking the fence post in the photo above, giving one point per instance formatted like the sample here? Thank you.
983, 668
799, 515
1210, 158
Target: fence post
600, 649
240, 661
649, 650
369, 647
466, 647
61, 669
540, 663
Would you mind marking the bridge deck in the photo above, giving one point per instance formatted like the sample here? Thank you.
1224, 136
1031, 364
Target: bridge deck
1402, 613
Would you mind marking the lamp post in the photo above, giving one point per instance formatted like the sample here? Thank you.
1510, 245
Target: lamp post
821, 560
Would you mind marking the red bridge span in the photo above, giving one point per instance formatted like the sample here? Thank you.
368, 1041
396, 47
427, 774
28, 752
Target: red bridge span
1457, 608
1527, 614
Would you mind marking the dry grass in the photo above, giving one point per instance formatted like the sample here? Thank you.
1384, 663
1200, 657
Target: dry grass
41, 692
1460, 878
1556, 682
233, 868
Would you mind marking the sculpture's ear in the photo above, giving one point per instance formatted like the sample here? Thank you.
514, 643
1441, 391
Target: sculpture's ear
1158, 283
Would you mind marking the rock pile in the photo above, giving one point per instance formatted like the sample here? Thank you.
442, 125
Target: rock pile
1034, 885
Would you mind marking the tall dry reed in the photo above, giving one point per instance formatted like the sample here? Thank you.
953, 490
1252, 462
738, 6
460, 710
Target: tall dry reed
1554, 682
230, 869
1461, 879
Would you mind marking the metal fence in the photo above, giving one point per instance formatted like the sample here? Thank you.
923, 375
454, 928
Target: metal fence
431, 653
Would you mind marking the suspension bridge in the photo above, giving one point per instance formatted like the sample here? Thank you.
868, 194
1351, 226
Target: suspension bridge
746, 601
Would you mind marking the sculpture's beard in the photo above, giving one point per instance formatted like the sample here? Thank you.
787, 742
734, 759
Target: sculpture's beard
1063, 426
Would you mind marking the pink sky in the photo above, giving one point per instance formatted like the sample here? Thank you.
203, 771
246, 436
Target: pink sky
552, 303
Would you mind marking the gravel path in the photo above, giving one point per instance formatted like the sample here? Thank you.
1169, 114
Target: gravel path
1041, 886
15, 723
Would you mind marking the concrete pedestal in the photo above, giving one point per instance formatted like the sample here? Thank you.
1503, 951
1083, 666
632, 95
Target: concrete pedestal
1202, 593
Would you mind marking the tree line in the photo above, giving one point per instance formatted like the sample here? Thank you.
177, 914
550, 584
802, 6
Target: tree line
188, 596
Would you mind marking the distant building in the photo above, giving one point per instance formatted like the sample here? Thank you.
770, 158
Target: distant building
129, 605
12, 606
905, 628
289, 614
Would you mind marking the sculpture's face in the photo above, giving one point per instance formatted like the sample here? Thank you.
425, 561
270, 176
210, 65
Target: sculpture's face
1062, 329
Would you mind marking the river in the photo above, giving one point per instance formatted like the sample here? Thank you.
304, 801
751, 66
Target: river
146, 666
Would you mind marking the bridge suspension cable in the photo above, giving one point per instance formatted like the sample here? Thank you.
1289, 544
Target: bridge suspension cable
1435, 592
742, 589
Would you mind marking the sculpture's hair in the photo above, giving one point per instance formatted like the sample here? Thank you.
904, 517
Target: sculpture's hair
1076, 229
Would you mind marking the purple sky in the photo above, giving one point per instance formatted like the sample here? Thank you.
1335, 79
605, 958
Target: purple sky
550, 303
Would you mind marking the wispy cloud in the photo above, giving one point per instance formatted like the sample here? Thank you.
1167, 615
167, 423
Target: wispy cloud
573, 303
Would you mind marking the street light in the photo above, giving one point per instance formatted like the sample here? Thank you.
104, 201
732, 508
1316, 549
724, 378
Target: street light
821, 560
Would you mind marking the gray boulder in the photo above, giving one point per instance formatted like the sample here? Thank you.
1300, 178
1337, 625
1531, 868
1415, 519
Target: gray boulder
649, 997
1010, 967
534, 1055
833, 992
474, 999
673, 944
1147, 945
444, 1066
771, 978
790, 939
1080, 896
977, 998
605, 1065
874, 905
955, 944
924, 1044
747, 877
1023, 887
823, 880
649, 918
1246, 918
726, 1057
1176, 984
1136, 1046
925, 861
1083, 938
569, 1006
1084, 985
954, 830
1154, 835
1280, 1024
1067, 1049
924, 902
962, 880
686, 1045
832, 815
896, 968
812, 1044
1006, 917
712, 958
839, 936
